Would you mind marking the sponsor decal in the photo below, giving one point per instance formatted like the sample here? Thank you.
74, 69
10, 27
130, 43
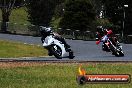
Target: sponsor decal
83, 78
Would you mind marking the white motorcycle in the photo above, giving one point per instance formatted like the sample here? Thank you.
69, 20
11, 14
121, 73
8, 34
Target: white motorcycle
56, 48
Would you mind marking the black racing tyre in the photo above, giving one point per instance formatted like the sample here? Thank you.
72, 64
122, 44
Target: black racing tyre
56, 51
121, 53
117, 54
114, 51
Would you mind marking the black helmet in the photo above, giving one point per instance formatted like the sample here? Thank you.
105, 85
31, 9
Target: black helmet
100, 28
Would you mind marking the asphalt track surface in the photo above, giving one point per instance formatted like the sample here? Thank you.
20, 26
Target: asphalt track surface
85, 51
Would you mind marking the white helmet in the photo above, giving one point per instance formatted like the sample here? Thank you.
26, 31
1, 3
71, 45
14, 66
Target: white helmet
48, 29
44, 29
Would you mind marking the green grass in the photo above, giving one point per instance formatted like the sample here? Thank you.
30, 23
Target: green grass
18, 21
19, 16
10, 49
43, 75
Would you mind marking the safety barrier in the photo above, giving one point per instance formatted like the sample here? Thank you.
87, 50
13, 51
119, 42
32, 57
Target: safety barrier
33, 30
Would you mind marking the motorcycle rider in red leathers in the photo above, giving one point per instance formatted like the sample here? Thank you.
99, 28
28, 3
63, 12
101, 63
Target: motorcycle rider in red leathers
102, 36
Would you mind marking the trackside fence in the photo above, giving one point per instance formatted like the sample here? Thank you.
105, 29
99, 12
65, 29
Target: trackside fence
33, 30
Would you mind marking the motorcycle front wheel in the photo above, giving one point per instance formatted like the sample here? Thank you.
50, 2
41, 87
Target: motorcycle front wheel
56, 51
114, 51
121, 53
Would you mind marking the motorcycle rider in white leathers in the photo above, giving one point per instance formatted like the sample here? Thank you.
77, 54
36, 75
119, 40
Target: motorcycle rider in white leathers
48, 31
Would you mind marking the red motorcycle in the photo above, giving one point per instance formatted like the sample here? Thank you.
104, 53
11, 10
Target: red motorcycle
112, 45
